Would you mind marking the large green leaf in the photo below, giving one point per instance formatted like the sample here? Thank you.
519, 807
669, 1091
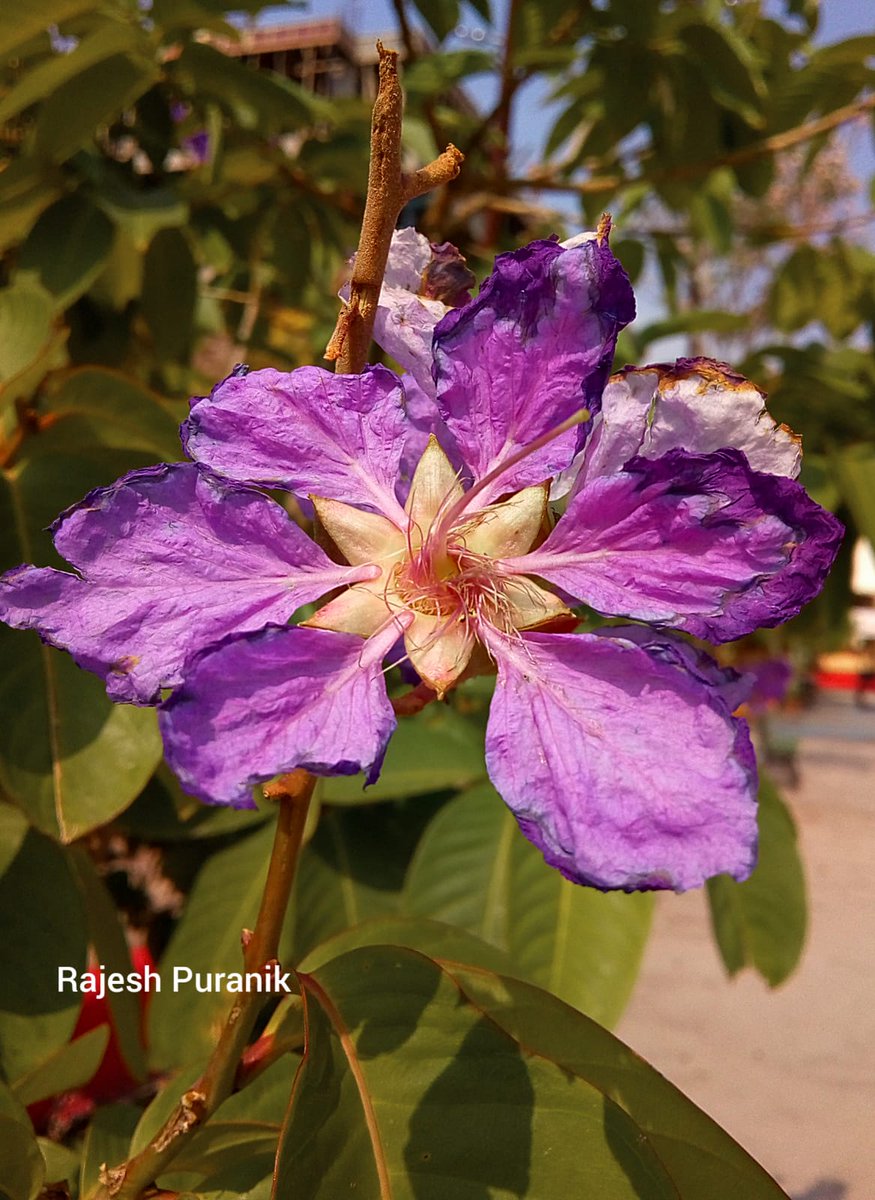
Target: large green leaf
42, 927
423, 1079
22, 1168
438, 750
22, 22
70, 1067
67, 247
433, 938
99, 94
68, 756
113, 410
474, 868
702, 1160
223, 902
28, 338
169, 293
40, 81
761, 923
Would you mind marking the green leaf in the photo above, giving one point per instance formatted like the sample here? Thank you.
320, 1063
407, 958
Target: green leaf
70, 1067
855, 471
67, 248
68, 756
352, 870
438, 750
34, 18
71, 115
433, 938
441, 16
732, 82
170, 293
702, 1160
409, 1061
474, 868
761, 923
111, 948
43, 926
27, 338
45, 77
257, 100
113, 410
22, 1168
794, 299
106, 1142
62, 1165
223, 902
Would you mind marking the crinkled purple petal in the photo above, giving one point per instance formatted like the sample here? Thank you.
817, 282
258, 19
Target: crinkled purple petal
694, 404
733, 687
308, 430
623, 768
535, 347
170, 559
698, 542
264, 703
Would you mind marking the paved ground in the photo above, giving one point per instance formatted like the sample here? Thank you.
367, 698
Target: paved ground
789, 1073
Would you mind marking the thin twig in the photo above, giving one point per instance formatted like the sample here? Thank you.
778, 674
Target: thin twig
388, 191
126, 1182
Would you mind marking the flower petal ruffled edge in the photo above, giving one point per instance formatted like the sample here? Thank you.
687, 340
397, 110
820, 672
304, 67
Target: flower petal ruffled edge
624, 767
170, 559
261, 704
534, 348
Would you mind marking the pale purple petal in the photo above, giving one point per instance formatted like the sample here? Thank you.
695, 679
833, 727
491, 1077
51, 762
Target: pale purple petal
170, 559
624, 769
535, 347
308, 430
698, 542
695, 404
733, 686
264, 703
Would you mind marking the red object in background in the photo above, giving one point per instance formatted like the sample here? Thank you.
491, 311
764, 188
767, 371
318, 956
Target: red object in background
112, 1079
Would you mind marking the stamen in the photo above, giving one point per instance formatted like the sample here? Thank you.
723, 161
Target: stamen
449, 518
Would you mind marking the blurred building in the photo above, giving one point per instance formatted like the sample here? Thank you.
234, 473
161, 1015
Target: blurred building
323, 56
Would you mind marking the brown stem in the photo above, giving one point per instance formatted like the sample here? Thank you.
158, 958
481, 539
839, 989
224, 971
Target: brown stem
126, 1182
388, 192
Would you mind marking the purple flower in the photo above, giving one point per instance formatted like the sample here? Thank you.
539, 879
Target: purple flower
617, 751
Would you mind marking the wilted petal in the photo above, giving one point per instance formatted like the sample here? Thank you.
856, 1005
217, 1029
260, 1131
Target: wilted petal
734, 687
532, 349
422, 282
262, 704
171, 559
306, 430
698, 542
695, 404
625, 770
